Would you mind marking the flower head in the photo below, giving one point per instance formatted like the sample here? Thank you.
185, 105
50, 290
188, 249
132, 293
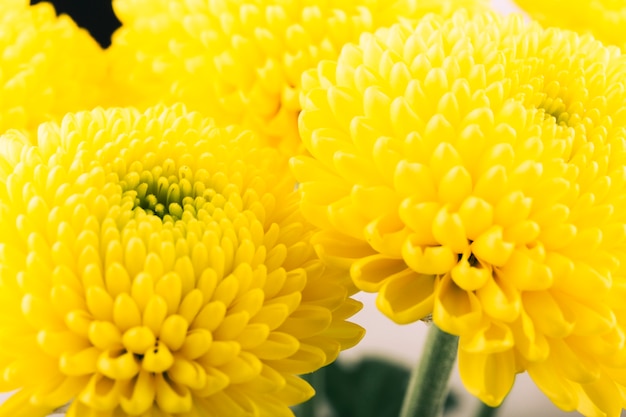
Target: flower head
604, 19
474, 169
153, 263
49, 66
241, 60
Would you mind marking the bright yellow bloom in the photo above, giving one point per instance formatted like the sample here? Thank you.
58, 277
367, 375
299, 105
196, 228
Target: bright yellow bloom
475, 169
604, 19
241, 60
155, 265
48, 66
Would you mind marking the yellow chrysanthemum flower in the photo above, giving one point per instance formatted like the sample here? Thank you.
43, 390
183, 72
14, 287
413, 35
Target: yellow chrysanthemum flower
474, 169
155, 265
604, 19
48, 66
241, 60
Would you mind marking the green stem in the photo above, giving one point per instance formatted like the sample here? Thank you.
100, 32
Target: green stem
428, 386
486, 411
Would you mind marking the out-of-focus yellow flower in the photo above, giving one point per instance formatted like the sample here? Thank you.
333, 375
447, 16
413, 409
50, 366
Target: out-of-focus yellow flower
153, 264
48, 66
241, 60
604, 19
474, 169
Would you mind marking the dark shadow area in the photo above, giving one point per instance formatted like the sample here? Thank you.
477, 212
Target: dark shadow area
372, 387
94, 15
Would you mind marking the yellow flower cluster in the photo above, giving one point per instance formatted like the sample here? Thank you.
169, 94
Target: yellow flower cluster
474, 169
604, 19
48, 66
241, 61
152, 264
159, 260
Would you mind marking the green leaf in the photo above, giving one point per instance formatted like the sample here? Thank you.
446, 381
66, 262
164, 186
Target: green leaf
373, 387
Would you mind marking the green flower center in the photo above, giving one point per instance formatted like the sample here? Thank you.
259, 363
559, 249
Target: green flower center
164, 191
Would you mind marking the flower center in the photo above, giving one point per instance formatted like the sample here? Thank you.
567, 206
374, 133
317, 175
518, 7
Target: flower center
163, 191
555, 107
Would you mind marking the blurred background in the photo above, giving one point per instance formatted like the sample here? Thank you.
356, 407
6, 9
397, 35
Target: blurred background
384, 339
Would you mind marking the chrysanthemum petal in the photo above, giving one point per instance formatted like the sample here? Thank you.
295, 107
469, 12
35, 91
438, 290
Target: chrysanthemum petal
455, 310
49, 67
489, 376
163, 276
19, 405
408, 296
138, 397
602, 18
244, 62
485, 152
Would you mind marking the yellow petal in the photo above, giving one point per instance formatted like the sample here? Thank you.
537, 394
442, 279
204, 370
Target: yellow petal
100, 303
407, 296
81, 363
188, 373
169, 287
196, 344
220, 352
57, 343
59, 391
306, 321
101, 393
253, 335
210, 317
529, 342
138, 339
104, 335
573, 365
173, 331
139, 394
500, 299
386, 234
155, 313
470, 277
157, 359
601, 397
551, 317
370, 273
489, 376
449, 231
491, 248
455, 311
278, 345
493, 337
171, 397
295, 391
305, 360
19, 405
116, 365
242, 368
216, 382
476, 215
563, 393
430, 260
